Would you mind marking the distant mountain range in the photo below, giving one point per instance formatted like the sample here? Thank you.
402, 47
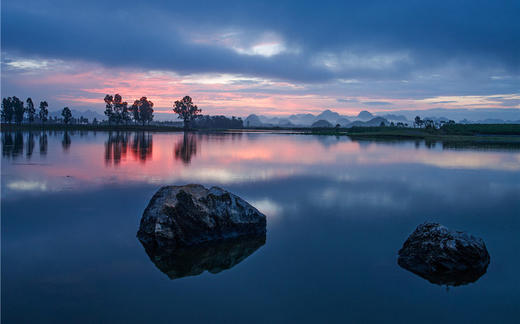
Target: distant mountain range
329, 118
364, 118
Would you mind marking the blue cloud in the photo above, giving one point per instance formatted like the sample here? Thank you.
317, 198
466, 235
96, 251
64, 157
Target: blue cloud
366, 40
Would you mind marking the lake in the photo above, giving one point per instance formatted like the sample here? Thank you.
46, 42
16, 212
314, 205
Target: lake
337, 212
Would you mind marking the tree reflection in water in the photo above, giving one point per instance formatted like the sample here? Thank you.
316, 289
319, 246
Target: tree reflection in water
30, 145
12, 148
118, 143
186, 148
66, 141
43, 144
7, 144
142, 146
116, 147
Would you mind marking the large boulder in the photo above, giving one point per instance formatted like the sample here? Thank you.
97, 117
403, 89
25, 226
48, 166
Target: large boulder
443, 256
180, 216
213, 257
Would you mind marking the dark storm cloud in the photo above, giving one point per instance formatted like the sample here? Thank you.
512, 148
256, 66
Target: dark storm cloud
369, 39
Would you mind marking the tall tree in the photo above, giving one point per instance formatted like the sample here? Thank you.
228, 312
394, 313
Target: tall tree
144, 107
135, 111
418, 121
109, 111
120, 109
44, 112
7, 109
125, 113
18, 110
186, 110
67, 115
30, 110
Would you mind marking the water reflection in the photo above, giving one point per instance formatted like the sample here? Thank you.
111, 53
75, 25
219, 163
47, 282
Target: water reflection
211, 257
66, 141
30, 145
223, 158
453, 278
481, 145
13, 148
116, 147
142, 145
186, 147
118, 144
43, 143
7, 144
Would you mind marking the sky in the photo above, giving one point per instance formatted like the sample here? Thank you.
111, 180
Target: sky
264, 57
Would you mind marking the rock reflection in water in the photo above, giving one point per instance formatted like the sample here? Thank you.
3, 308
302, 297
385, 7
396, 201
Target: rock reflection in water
212, 257
449, 278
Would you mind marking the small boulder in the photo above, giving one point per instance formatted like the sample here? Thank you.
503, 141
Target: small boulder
443, 256
180, 216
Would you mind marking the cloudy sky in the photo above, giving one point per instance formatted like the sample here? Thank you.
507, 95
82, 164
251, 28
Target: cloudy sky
264, 57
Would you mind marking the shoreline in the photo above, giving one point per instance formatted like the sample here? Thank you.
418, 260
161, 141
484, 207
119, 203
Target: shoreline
461, 133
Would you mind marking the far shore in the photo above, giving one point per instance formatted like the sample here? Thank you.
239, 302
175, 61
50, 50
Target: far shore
506, 134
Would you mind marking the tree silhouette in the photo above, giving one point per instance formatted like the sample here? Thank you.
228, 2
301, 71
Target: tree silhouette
18, 110
67, 115
144, 109
44, 112
30, 110
120, 109
418, 121
7, 109
186, 110
109, 111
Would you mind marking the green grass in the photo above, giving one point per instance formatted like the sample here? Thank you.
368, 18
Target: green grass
482, 129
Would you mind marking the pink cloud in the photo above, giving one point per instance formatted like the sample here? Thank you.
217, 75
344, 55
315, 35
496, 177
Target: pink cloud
216, 93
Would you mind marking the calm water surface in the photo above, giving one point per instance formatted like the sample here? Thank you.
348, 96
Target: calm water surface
338, 211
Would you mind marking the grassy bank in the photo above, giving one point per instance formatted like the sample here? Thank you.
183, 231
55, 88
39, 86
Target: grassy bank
459, 132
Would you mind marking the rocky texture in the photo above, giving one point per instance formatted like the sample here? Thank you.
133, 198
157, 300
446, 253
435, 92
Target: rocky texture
194, 260
180, 216
443, 256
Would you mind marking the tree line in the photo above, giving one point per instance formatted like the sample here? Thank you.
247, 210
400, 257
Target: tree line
430, 124
14, 109
117, 112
